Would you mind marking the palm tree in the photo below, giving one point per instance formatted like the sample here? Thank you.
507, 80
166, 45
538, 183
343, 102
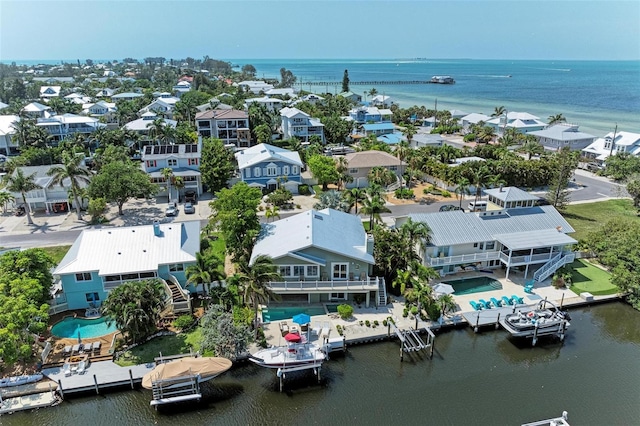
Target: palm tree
462, 189
255, 280
479, 177
373, 207
178, 184
409, 131
405, 279
272, 212
73, 170
156, 128
205, 271
332, 199
555, 119
381, 176
167, 174
6, 198
446, 303
416, 233
19, 183
531, 148
353, 196
499, 111
486, 134
372, 92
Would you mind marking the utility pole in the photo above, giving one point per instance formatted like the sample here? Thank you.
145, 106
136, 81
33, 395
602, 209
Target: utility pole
435, 117
614, 140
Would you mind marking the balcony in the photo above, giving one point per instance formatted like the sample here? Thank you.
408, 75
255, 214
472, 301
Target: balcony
324, 286
525, 260
463, 258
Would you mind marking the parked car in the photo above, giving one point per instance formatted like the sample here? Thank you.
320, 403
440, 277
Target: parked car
190, 196
171, 211
189, 209
449, 207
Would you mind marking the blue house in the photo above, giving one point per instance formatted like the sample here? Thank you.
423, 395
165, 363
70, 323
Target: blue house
265, 166
364, 114
102, 259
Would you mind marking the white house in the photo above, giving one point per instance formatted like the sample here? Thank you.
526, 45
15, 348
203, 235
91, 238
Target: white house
164, 105
255, 86
184, 162
62, 126
49, 92
563, 135
8, 143
523, 122
282, 91
601, 148
126, 96
182, 87
272, 104
473, 118
299, 124
105, 92
141, 125
382, 101
78, 98
100, 109
37, 110
364, 114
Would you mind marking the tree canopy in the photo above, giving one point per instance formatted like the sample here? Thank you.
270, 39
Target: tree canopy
323, 169
223, 336
217, 164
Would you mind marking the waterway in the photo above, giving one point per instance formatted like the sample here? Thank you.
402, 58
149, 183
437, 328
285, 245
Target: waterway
473, 379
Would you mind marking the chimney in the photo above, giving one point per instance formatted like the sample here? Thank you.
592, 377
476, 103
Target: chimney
156, 228
369, 243
501, 188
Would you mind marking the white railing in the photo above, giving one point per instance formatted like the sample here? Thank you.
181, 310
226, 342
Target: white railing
463, 258
320, 285
517, 260
382, 293
56, 309
553, 265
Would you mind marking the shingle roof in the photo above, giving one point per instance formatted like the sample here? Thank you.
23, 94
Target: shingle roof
222, 114
371, 159
329, 230
131, 249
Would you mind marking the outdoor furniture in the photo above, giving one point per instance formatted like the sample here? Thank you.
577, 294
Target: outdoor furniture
67, 350
88, 347
506, 301
81, 367
294, 330
484, 303
495, 302
528, 288
95, 347
304, 327
66, 369
517, 300
284, 328
475, 305
76, 348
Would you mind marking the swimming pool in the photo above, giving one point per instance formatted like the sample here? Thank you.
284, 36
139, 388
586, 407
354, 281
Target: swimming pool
282, 313
474, 285
84, 328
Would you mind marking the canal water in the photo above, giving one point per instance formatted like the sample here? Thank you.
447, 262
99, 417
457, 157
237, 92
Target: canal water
473, 379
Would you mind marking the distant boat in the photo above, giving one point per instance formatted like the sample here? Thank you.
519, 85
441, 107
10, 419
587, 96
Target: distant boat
442, 79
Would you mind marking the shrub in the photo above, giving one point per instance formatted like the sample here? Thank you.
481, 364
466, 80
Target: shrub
280, 197
405, 313
384, 322
298, 206
345, 311
404, 194
304, 189
183, 321
446, 194
367, 323
340, 330
376, 323
414, 310
470, 137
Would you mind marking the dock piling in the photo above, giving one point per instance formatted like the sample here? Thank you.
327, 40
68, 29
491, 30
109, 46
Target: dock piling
95, 380
60, 388
498, 321
131, 378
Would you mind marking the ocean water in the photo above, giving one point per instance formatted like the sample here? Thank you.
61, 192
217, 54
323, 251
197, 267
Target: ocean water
593, 94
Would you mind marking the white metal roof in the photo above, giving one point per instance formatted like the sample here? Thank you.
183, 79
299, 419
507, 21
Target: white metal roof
264, 152
534, 239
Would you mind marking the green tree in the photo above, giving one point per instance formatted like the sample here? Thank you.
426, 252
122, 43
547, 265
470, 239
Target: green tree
135, 306
263, 133
499, 111
345, 81
222, 335
531, 148
96, 209
462, 189
409, 131
234, 214
119, 181
336, 128
19, 183
324, 170
332, 199
381, 176
217, 165
73, 170
255, 278
207, 269
557, 118
622, 165
6, 198
249, 70
287, 79
373, 206
353, 196
566, 162
272, 213
633, 188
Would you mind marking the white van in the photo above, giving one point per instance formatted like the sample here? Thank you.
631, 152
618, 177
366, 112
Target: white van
478, 206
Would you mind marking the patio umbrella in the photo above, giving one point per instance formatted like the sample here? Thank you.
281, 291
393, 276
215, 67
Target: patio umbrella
301, 319
443, 288
292, 337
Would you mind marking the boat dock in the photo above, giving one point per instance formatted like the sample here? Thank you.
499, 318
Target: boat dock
366, 83
99, 376
485, 317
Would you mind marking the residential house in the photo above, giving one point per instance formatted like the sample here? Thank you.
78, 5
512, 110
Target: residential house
299, 124
37, 110
105, 93
523, 122
184, 162
78, 98
312, 99
471, 119
230, 125
182, 87
142, 124
8, 141
126, 96
563, 135
360, 164
382, 101
384, 132
62, 126
514, 233
49, 92
322, 256
266, 166
255, 86
282, 91
425, 139
612, 144
163, 105
213, 104
48, 197
101, 109
364, 114
353, 97
100, 260
272, 104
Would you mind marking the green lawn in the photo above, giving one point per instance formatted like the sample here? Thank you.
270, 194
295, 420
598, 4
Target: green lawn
585, 218
57, 252
168, 345
588, 277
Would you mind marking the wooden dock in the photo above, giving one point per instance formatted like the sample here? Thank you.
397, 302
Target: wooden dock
367, 83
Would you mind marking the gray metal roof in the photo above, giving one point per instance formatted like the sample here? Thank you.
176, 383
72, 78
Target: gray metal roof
457, 227
534, 239
510, 193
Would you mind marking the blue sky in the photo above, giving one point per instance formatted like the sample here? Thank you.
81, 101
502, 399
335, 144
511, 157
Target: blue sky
516, 29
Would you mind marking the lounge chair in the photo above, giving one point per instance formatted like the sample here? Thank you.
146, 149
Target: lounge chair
506, 301
528, 288
315, 330
76, 348
88, 347
66, 369
495, 302
475, 305
304, 327
517, 300
95, 347
484, 303
295, 330
284, 328
67, 350
81, 367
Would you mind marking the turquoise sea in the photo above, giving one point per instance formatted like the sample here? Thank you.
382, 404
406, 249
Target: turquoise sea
594, 94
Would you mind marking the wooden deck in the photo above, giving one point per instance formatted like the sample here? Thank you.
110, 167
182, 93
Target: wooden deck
490, 316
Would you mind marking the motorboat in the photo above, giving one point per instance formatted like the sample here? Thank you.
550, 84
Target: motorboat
538, 321
442, 79
8, 382
292, 355
204, 368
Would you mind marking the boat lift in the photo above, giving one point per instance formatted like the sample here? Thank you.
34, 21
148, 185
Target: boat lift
410, 340
283, 371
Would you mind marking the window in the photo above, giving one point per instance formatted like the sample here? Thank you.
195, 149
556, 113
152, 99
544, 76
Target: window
285, 271
129, 277
83, 276
393, 168
256, 172
340, 271
313, 271
298, 270
147, 275
176, 267
172, 162
490, 245
92, 297
285, 170
338, 296
202, 123
353, 171
193, 161
475, 245
112, 278
247, 173
294, 170
272, 171
151, 163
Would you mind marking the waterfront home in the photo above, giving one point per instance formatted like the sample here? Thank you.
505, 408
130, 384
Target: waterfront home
282, 91
272, 104
142, 125
8, 141
322, 256
299, 124
312, 99
102, 259
266, 166
425, 139
229, 125
364, 114
473, 118
382, 101
612, 144
563, 135
47, 197
353, 97
36, 110
514, 233
523, 122
47, 92
184, 162
254, 86
359, 165
62, 126
101, 109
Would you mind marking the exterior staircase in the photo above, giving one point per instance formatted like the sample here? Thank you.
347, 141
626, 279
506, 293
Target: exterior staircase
555, 263
180, 301
382, 292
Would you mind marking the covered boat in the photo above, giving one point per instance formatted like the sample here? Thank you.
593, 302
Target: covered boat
538, 321
292, 355
19, 380
205, 368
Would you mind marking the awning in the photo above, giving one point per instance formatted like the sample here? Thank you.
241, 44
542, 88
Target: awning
535, 239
